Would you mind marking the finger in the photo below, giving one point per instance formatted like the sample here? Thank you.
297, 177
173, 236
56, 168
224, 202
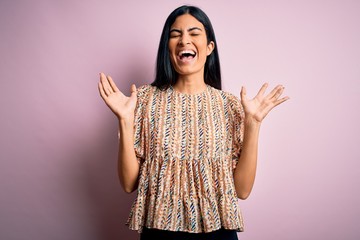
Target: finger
105, 84
101, 91
109, 88
274, 91
133, 92
278, 93
243, 94
112, 84
281, 100
262, 89
133, 89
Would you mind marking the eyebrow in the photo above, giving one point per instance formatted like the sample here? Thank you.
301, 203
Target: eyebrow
194, 28
189, 30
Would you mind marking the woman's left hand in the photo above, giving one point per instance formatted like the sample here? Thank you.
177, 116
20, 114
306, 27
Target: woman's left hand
257, 108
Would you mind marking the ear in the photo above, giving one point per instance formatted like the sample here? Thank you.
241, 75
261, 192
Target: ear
210, 48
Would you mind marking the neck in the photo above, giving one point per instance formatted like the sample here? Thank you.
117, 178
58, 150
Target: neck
190, 84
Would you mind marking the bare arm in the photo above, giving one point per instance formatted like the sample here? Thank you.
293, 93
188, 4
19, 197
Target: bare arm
245, 171
255, 111
128, 166
123, 107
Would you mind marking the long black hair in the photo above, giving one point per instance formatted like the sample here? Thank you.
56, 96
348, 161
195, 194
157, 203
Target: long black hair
165, 72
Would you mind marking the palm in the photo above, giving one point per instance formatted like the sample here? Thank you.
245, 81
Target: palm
258, 107
121, 105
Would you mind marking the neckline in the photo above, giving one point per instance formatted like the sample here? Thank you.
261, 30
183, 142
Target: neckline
190, 94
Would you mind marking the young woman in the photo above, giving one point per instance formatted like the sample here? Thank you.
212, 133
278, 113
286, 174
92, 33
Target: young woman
189, 148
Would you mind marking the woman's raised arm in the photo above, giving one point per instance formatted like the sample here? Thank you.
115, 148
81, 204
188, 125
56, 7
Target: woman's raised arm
123, 107
255, 110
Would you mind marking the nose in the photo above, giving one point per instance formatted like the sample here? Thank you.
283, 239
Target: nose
185, 39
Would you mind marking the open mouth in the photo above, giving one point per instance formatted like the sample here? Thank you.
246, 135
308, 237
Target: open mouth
186, 55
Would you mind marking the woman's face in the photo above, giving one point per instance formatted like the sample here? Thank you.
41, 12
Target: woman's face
188, 45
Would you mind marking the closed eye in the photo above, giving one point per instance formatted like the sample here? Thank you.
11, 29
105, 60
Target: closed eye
175, 33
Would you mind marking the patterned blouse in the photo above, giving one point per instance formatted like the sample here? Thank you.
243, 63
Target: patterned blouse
188, 146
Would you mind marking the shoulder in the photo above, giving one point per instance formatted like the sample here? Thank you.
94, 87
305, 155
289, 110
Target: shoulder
144, 92
144, 89
228, 98
232, 104
147, 94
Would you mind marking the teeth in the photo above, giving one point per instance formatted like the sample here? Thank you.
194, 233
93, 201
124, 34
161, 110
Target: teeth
187, 51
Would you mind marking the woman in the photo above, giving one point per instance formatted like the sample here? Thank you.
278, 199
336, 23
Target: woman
189, 148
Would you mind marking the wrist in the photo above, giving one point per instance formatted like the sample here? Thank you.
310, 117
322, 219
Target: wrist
251, 123
126, 122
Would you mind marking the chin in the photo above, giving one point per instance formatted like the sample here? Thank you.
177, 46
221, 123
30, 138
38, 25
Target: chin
185, 72
188, 70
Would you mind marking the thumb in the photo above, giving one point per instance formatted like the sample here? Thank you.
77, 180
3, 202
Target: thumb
243, 93
133, 91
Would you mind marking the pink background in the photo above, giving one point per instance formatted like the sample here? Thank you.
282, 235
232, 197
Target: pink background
58, 153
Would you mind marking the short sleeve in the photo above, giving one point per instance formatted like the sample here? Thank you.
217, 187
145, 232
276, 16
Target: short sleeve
140, 122
237, 123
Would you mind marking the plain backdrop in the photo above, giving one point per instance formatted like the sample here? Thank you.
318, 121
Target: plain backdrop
58, 140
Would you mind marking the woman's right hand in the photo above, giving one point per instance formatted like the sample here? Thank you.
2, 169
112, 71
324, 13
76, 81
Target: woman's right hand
122, 106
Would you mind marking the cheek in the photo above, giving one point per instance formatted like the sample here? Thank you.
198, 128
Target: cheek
204, 52
172, 54
202, 46
171, 45
171, 51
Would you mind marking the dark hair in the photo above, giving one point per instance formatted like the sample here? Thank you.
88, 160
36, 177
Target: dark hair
165, 72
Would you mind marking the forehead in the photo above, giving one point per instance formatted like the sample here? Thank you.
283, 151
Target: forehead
186, 21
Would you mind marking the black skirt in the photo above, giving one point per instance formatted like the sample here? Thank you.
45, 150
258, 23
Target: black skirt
155, 234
